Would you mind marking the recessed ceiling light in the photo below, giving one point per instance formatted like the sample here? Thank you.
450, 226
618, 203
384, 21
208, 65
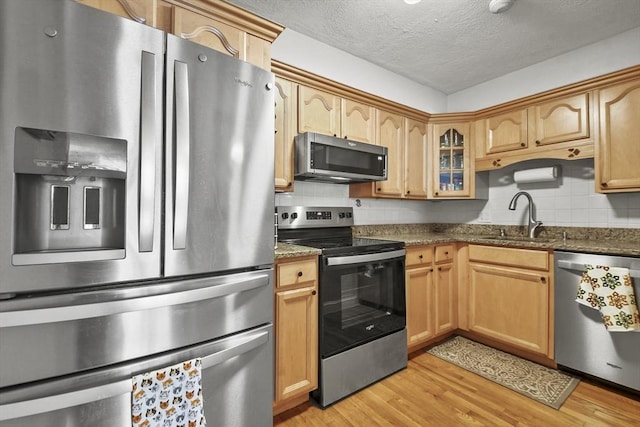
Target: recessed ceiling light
412, 1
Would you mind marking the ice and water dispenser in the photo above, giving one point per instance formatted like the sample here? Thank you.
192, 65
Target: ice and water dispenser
69, 196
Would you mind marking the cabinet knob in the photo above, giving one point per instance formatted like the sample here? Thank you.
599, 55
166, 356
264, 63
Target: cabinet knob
436, 193
522, 144
439, 268
543, 279
345, 137
335, 134
603, 184
446, 253
289, 184
420, 256
379, 189
408, 192
538, 142
313, 292
299, 273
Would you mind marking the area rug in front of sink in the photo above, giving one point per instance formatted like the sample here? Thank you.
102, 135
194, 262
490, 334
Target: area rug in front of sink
538, 382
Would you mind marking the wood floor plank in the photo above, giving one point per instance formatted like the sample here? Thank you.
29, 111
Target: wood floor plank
432, 392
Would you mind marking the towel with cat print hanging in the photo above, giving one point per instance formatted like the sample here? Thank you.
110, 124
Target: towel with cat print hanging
610, 290
170, 396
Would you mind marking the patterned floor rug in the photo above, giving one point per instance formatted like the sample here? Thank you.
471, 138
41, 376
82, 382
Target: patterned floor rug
538, 382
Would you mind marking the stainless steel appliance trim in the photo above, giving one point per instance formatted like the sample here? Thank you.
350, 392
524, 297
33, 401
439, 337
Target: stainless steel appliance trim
56, 401
62, 312
66, 257
148, 124
182, 146
357, 259
580, 267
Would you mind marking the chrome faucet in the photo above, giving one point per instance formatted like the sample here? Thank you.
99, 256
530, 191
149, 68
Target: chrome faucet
533, 224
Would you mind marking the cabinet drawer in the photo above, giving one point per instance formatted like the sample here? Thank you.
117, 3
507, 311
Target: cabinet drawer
296, 272
418, 256
444, 253
523, 258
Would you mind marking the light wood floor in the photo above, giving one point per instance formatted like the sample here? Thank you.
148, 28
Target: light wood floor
431, 392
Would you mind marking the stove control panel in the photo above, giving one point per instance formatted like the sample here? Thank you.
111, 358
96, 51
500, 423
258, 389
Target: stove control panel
313, 217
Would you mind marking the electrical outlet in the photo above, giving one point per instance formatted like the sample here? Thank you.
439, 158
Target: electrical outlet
485, 217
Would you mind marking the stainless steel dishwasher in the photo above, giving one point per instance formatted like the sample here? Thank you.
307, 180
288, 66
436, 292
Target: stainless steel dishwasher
582, 342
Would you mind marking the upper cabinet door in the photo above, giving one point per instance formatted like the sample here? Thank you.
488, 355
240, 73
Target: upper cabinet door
506, 132
318, 111
357, 121
137, 10
222, 37
285, 131
560, 120
415, 159
391, 135
618, 153
208, 32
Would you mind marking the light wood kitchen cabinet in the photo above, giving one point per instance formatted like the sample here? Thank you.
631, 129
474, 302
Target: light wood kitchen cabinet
618, 149
561, 127
220, 36
286, 110
415, 159
296, 331
451, 165
141, 11
509, 297
430, 293
329, 114
218, 25
506, 132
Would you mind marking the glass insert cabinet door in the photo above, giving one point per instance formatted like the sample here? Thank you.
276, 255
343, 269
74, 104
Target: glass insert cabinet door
452, 160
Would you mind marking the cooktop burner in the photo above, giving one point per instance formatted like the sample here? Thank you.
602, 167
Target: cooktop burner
328, 229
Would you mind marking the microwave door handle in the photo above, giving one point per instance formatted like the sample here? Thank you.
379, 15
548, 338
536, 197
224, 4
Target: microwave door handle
182, 147
148, 126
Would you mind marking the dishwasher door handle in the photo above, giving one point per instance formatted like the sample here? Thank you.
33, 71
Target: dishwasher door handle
568, 265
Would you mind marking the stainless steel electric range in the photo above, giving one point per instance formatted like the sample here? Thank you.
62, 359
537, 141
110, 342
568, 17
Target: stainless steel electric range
362, 314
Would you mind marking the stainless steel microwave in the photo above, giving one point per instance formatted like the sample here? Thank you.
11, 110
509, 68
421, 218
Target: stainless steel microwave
330, 159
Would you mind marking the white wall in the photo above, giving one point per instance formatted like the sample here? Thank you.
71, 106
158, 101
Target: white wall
311, 55
593, 60
572, 202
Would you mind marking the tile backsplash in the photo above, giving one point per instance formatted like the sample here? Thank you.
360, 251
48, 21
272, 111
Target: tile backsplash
569, 201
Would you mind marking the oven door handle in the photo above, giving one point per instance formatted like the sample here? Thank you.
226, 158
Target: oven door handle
359, 259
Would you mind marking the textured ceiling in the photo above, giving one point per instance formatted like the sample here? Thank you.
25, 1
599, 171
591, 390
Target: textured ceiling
450, 45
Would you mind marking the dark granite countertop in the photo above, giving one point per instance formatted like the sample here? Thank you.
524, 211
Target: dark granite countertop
616, 241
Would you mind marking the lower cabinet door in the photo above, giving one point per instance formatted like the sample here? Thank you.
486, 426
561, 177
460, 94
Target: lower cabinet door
296, 342
510, 305
419, 296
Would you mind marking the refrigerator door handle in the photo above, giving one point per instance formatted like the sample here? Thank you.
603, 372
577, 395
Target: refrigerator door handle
148, 126
62, 312
56, 401
182, 147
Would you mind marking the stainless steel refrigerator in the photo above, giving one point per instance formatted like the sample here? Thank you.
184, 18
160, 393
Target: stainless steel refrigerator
136, 198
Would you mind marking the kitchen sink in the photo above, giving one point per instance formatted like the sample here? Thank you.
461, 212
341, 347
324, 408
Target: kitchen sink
519, 239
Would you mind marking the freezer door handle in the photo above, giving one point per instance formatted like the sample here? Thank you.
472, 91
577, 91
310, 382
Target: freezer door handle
62, 312
182, 147
148, 126
56, 401
244, 345
576, 266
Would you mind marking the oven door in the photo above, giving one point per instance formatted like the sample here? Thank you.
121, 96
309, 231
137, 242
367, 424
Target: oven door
362, 297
